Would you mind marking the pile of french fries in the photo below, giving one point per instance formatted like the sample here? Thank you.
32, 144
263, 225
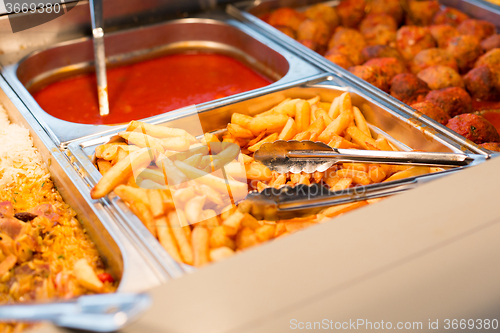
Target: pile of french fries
168, 178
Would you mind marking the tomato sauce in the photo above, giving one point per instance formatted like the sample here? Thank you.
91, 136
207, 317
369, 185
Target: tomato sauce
149, 88
494, 118
485, 105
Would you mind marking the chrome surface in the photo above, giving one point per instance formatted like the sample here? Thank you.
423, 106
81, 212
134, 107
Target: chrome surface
98, 313
223, 35
398, 128
308, 156
121, 253
99, 55
246, 12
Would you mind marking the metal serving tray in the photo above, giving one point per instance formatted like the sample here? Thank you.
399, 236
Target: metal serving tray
222, 35
122, 254
247, 12
400, 129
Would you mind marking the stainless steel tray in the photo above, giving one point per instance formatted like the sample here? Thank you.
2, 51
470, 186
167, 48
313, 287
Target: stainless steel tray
222, 35
399, 128
122, 254
246, 12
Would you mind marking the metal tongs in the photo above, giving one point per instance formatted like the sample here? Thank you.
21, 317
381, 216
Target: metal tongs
100, 313
302, 200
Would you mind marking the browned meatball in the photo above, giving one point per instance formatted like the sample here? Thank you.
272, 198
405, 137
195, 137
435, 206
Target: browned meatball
380, 35
389, 7
439, 77
431, 57
389, 67
482, 84
479, 28
412, 39
347, 36
491, 43
286, 17
324, 13
490, 59
316, 31
474, 127
339, 59
466, 49
373, 20
408, 88
493, 146
451, 16
380, 51
311, 45
350, 51
421, 12
432, 111
442, 33
371, 75
287, 31
351, 12
453, 100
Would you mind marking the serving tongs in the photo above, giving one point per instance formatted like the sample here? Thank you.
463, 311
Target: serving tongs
308, 156
100, 313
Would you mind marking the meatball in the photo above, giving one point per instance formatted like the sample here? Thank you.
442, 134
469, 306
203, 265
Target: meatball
371, 75
482, 84
450, 16
350, 51
380, 51
347, 36
431, 57
442, 33
389, 67
479, 28
389, 7
324, 13
453, 100
421, 12
311, 45
439, 77
474, 127
373, 20
380, 35
351, 12
491, 43
432, 111
287, 31
493, 146
466, 49
408, 88
339, 59
286, 17
316, 31
490, 59
412, 39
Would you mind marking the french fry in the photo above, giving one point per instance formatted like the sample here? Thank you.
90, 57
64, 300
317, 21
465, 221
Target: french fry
246, 238
334, 110
269, 124
194, 209
302, 136
173, 175
103, 166
177, 143
144, 214
322, 113
341, 184
232, 223
287, 108
156, 202
265, 232
159, 131
360, 121
184, 194
345, 103
318, 176
152, 174
194, 160
356, 166
199, 242
218, 238
360, 138
212, 195
280, 229
142, 140
279, 181
376, 173
258, 171
358, 177
121, 171
241, 119
382, 143
180, 236
313, 100
302, 115
336, 127
289, 131
270, 138
220, 253
410, 172
238, 131
316, 128
304, 179
166, 238
121, 154
210, 219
